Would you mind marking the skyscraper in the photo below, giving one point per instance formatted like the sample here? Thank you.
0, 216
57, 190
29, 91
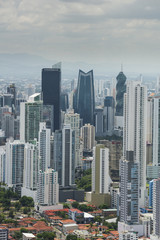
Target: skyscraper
51, 89
44, 147
120, 90
48, 187
134, 130
88, 137
129, 190
85, 97
30, 117
108, 118
156, 207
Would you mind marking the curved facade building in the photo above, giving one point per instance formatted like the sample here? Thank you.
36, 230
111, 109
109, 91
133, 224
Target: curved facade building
120, 90
85, 97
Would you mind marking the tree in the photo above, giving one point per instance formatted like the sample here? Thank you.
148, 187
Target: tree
75, 204
26, 201
65, 205
11, 215
46, 236
26, 210
17, 206
2, 217
71, 237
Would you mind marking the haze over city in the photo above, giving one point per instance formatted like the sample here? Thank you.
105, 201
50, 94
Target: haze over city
98, 34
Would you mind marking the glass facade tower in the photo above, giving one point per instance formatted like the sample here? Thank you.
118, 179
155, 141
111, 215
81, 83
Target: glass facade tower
85, 97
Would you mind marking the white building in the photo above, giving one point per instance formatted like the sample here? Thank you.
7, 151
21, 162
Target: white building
128, 235
44, 147
14, 164
30, 172
156, 127
156, 207
48, 187
135, 128
100, 170
88, 137
74, 120
2, 163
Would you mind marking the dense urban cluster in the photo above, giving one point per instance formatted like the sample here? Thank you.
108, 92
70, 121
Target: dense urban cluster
79, 159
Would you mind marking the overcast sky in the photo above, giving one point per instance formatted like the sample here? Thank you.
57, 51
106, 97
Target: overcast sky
94, 31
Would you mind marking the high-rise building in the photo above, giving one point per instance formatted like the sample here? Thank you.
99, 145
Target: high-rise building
134, 130
98, 121
14, 164
64, 102
51, 91
129, 190
108, 118
12, 90
85, 97
74, 120
156, 207
44, 147
2, 163
100, 170
48, 187
151, 193
100, 176
68, 154
57, 154
88, 137
120, 90
30, 117
156, 129
3, 233
8, 124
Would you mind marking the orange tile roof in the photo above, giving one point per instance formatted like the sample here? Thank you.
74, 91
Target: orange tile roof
41, 226
75, 210
66, 221
114, 232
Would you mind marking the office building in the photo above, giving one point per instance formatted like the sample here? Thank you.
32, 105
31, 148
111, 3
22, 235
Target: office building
64, 102
134, 130
30, 117
88, 137
120, 90
14, 164
11, 89
151, 193
85, 97
44, 147
51, 91
48, 187
57, 154
98, 121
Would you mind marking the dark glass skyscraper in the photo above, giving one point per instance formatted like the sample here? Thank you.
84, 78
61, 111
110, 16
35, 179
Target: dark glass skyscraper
120, 90
51, 89
85, 97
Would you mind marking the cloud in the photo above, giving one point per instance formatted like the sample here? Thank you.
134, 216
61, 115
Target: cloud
94, 30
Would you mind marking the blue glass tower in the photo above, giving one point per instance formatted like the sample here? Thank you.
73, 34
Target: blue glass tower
151, 193
85, 97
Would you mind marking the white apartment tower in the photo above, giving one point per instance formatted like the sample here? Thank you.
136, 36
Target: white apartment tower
135, 127
14, 164
100, 170
2, 163
48, 187
44, 147
74, 120
88, 137
156, 207
156, 129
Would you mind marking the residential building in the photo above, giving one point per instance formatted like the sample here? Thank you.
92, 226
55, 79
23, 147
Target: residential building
156, 207
2, 163
134, 130
8, 124
3, 233
30, 117
48, 187
108, 115
88, 137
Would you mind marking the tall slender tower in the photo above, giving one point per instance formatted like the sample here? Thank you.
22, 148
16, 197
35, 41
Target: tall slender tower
120, 90
51, 91
134, 130
85, 97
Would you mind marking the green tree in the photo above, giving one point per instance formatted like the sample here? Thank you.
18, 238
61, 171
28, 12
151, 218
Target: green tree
2, 217
75, 204
65, 205
71, 237
17, 206
46, 236
26, 210
26, 201
11, 215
